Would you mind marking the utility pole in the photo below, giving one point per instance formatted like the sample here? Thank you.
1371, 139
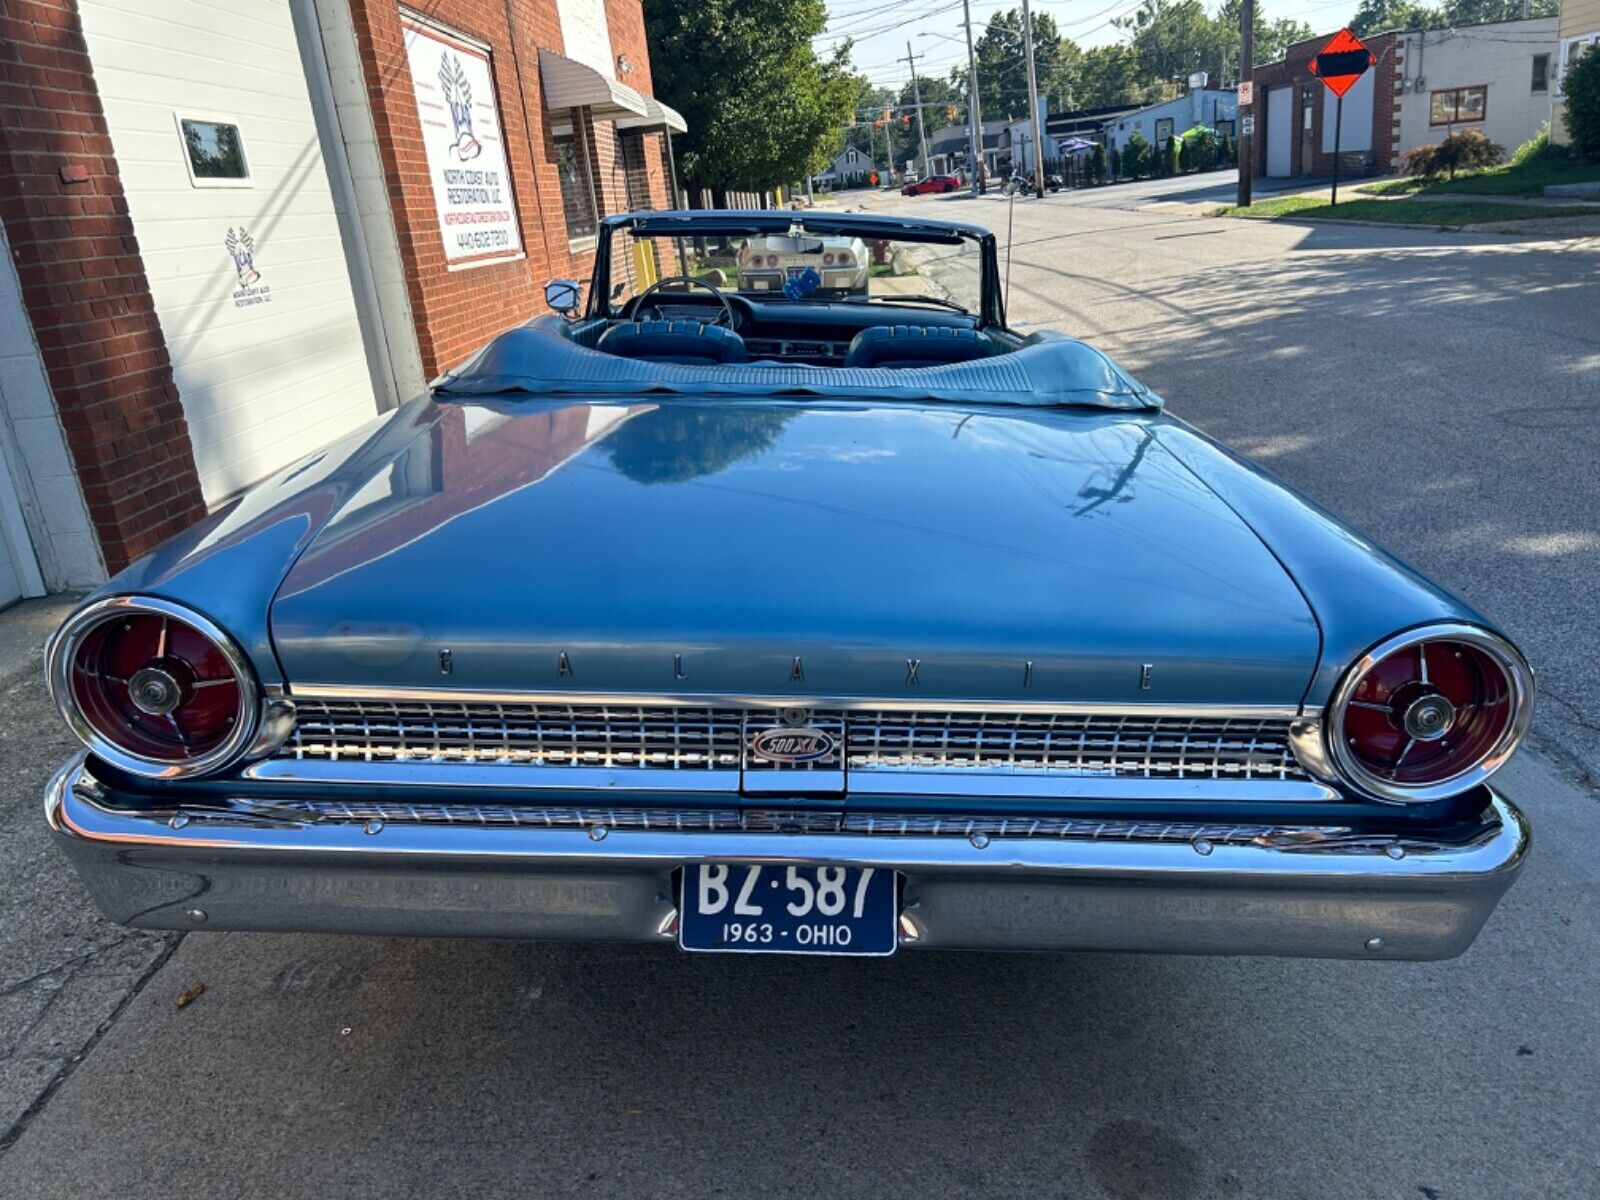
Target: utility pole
1034, 117
1247, 112
916, 96
974, 113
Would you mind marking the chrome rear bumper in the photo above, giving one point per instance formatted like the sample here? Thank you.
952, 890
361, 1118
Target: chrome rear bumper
1384, 897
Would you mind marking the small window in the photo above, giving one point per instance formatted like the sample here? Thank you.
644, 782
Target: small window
577, 185
1541, 72
1455, 105
213, 150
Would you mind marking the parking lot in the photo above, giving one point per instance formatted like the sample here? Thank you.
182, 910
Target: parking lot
1437, 390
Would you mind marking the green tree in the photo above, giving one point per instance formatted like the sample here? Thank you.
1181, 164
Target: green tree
1581, 86
1110, 75
1380, 16
1003, 72
1097, 163
726, 65
1171, 39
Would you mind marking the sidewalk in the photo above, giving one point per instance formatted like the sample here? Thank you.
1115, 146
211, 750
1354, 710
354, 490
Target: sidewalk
23, 630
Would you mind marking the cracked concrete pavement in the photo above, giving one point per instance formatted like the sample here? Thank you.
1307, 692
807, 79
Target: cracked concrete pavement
66, 972
1460, 433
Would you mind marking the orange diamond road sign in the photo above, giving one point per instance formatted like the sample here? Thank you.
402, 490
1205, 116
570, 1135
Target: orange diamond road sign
1341, 62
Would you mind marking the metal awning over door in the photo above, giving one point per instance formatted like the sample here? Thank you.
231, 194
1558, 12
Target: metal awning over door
569, 83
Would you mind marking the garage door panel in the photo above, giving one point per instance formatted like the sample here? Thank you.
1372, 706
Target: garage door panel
249, 325
1280, 132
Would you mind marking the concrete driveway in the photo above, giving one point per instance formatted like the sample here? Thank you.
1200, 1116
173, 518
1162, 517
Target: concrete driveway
1438, 390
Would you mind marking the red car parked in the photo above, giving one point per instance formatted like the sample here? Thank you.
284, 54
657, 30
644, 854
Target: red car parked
933, 183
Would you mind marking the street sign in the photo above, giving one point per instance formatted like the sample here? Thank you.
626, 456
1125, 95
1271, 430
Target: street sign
1247, 125
1247, 94
1341, 62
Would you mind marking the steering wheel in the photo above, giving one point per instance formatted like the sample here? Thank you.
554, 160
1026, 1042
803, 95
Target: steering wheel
690, 282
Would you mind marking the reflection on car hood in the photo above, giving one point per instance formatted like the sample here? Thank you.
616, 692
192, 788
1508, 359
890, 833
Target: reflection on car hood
705, 547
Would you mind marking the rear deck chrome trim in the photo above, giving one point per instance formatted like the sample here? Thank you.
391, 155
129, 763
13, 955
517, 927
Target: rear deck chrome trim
1247, 712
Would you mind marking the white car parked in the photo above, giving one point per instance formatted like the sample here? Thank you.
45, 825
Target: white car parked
767, 263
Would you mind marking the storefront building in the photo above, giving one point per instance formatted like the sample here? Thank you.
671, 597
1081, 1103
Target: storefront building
238, 229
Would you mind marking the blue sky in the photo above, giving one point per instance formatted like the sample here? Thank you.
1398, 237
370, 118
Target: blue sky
881, 27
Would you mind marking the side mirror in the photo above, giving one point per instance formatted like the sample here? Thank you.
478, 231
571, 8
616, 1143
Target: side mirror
563, 295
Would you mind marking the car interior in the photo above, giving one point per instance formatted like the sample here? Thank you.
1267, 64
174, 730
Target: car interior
705, 318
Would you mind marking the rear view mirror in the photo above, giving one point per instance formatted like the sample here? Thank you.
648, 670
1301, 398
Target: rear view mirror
563, 295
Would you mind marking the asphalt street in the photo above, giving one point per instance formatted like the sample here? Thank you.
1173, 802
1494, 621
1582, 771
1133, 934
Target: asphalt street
1437, 390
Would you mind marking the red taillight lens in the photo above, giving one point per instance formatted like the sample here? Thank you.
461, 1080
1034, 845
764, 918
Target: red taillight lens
827, 259
151, 688
1426, 715
844, 258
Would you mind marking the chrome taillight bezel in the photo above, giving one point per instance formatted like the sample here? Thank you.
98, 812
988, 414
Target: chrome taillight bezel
62, 651
1519, 679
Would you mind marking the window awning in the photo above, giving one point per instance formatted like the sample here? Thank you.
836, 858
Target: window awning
660, 116
569, 83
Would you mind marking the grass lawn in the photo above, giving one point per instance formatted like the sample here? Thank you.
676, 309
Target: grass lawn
1405, 212
1530, 179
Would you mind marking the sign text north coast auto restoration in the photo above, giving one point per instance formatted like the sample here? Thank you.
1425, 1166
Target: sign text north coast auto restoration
461, 134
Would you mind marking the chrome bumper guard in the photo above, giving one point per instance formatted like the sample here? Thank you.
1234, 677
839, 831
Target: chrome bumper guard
1209, 890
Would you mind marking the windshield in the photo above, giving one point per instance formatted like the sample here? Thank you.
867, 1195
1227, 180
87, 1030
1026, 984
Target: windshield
803, 268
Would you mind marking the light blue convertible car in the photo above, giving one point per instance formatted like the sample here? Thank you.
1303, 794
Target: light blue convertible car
811, 619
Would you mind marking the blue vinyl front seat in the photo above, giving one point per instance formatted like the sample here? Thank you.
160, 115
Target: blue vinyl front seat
901, 346
673, 342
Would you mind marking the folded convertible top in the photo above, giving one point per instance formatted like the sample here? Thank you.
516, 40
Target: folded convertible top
1049, 369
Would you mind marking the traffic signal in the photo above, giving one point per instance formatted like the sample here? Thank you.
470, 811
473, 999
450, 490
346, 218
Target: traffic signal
950, 112
905, 120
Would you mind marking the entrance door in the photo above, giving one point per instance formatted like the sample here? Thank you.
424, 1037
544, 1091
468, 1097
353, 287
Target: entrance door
1280, 131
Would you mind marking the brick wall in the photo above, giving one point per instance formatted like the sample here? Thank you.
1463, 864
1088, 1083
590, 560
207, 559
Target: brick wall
456, 311
84, 285
1292, 70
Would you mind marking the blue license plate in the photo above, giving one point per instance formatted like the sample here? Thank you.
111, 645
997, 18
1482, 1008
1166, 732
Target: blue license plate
751, 908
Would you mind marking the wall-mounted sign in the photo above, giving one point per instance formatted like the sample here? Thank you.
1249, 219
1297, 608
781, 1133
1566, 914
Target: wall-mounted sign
463, 143
1198, 80
1247, 126
242, 249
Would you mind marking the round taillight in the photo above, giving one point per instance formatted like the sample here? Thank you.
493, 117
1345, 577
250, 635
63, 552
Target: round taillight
1430, 713
153, 687
827, 259
844, 258
772, 260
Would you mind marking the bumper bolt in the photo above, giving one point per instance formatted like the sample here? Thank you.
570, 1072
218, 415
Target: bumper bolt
373, 826
1375, 943
979, 840
178, 821
197, 915
1395, 852
597, 833
1201, 846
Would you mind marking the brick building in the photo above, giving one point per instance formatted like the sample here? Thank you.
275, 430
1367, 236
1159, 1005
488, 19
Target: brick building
236, 229
1295, 114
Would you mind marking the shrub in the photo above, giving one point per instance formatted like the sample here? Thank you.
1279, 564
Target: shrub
1200, 149
1538, 149
1174, 157
1466, 150
1097, 164
1137, 157
1581, 85
1116, 163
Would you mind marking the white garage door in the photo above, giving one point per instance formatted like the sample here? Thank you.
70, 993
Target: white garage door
213, 131
10, 579
1280, 129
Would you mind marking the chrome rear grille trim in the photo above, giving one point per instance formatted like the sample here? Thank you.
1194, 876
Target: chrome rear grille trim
692, 741
755, 820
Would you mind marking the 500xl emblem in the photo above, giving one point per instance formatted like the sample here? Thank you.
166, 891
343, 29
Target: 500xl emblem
791, 744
